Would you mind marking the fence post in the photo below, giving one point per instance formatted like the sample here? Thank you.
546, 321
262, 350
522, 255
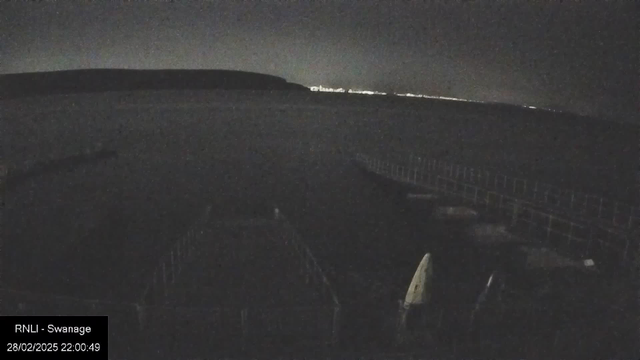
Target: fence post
549, 228
335, 335
600, 209
591, 236
192, 239
514, 216
179, 256
626, 249
487, 200
153, 288
570, 233
173, 269
244, 323
185, 246
164, 279
531, 223
573, 199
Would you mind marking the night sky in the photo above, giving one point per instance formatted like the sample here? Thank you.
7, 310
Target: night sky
580, 56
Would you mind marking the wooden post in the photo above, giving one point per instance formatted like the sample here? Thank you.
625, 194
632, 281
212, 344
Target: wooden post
531, 223
194, 238
185, 246
487, 200
164, 279
570, 234
141, 312
600, 209
335, 335
179, 256
244, 323
173, 269
154, 283
573, 198
626, 249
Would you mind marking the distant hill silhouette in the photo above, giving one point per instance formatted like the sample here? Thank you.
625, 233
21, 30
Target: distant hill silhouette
101, 80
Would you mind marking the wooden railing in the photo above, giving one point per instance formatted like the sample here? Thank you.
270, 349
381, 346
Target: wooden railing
577, 235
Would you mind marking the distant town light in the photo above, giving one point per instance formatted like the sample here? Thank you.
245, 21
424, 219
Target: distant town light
321, 88
589, 262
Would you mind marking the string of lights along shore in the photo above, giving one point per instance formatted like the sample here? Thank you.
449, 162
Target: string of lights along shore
320, 88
